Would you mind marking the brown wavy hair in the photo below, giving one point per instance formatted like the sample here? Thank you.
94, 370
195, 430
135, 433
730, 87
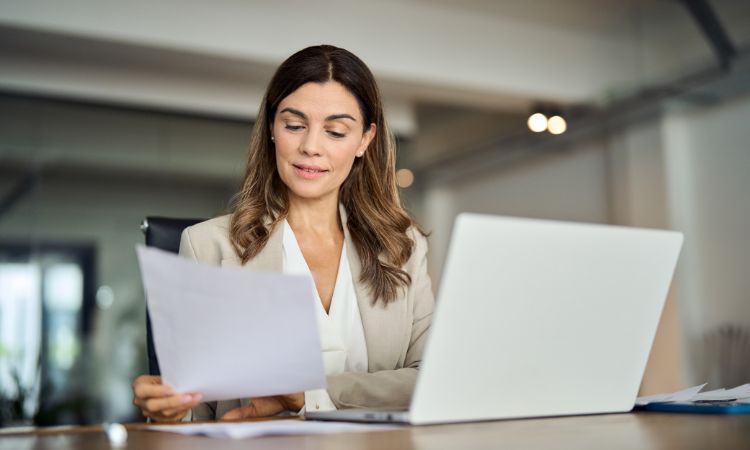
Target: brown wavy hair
376, 221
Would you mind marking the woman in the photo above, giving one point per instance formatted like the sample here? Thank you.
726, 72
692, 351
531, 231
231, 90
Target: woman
319, 196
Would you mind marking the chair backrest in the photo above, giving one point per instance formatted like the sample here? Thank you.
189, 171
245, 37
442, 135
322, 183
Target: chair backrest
163, 233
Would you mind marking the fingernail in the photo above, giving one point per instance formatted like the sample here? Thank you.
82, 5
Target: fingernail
186, 398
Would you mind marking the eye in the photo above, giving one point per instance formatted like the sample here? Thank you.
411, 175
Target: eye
336, 135
293, 127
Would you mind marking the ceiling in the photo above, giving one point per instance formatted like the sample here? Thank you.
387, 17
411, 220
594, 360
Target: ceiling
477, 66
216, 58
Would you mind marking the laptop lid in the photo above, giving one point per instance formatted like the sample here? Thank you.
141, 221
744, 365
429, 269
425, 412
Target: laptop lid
542, 318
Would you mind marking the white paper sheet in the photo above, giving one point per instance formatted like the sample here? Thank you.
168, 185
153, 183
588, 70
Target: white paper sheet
693, 394
742, 391
230, 332
724, 394
680, 396
244, 430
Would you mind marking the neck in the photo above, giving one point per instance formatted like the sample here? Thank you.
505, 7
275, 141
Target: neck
320, 216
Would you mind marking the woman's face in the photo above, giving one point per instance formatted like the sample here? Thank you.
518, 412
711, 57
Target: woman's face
318, 131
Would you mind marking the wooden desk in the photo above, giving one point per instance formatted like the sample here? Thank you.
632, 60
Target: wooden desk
616, 431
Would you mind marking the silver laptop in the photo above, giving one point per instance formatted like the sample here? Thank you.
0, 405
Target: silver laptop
538, 318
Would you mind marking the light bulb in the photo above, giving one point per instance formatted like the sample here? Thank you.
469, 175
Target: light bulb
557, 125
537, 122
404, 178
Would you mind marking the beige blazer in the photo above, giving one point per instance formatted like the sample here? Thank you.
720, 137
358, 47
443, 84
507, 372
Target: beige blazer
395, 334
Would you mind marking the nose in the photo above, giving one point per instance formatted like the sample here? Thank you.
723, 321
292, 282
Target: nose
310, 145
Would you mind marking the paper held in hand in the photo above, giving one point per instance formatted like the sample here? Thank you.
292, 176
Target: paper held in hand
229, 332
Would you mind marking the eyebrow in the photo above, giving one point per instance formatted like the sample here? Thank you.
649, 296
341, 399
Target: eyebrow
299, 113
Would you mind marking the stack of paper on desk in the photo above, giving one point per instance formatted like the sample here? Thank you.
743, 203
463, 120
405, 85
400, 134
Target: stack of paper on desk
229, 332
693, 394
244, 430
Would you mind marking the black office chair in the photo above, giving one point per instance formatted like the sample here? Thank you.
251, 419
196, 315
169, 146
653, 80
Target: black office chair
163, 233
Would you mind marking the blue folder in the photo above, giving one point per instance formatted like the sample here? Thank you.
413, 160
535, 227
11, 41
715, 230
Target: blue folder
699, 407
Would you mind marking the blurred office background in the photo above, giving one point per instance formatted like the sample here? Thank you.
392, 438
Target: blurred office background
112, 111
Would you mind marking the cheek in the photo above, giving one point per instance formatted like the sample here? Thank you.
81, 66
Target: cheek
344, 162
283, 160
284, 148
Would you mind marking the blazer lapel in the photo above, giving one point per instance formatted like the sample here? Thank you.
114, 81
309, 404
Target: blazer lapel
385, 326
269, 259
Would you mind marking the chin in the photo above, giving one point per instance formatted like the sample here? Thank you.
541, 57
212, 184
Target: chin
308, 192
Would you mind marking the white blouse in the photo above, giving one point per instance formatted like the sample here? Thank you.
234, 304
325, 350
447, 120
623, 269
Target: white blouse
342, 337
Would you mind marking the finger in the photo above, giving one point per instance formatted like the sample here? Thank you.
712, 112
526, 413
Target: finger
172, 415
148, 390
146, 379
181, 410
147, 405
153, 379
242, 412
139, 402
166, 415
175, 401
293, 402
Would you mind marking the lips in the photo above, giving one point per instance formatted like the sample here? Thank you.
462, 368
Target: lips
310, 169
308, 172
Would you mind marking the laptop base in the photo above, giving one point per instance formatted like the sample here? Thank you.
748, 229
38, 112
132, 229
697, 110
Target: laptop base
360, 415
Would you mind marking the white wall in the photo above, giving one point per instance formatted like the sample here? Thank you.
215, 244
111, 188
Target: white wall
568, 185
637, 176
638, 197
708, 159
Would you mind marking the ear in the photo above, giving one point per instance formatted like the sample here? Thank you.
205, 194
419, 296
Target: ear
367, 137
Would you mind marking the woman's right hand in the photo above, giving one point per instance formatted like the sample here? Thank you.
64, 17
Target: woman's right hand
159, 401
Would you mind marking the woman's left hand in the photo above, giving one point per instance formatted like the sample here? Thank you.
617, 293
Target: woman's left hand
267, 406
